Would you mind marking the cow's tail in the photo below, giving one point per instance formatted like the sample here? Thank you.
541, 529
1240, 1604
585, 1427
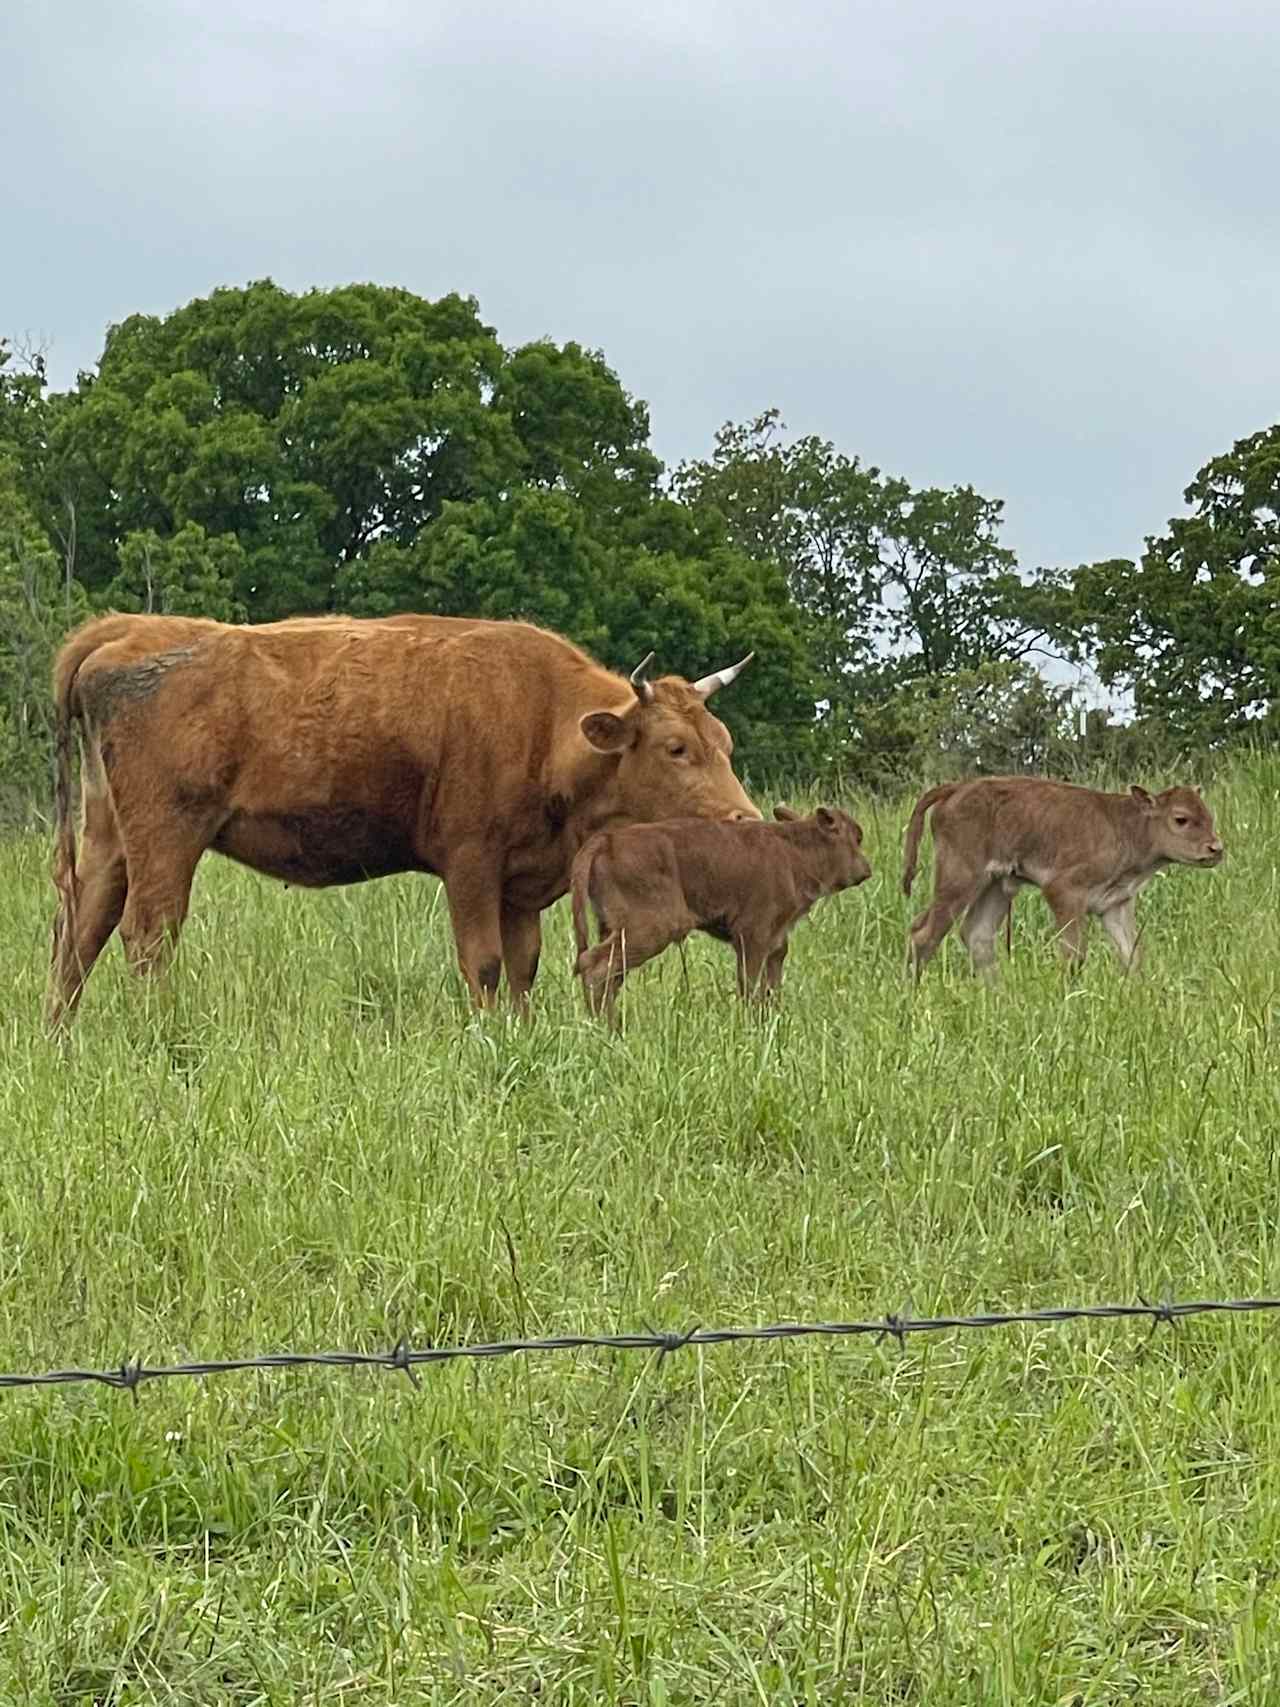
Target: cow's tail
66, 667
579, 888
915, 829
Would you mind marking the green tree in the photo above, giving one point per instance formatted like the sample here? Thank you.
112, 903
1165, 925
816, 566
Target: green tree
304, 425
313, 427
185, 574
38, 602
577, 428
802, 508
22, 404
894, 583
530, 554
1192, 630
547, 557
1000, 716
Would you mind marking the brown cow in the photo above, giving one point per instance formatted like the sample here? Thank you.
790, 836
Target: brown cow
1088, 852
328, 750
746, 884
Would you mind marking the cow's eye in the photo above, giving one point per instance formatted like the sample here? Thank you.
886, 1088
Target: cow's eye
677, 749
1181, 820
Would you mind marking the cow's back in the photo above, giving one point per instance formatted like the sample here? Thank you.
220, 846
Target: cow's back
322, 686
326, 748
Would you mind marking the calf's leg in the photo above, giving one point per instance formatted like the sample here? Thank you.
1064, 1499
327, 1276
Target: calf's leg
773, 970
981, 925
755, 960
955, 888
604, 968
1070, 914
1121, 925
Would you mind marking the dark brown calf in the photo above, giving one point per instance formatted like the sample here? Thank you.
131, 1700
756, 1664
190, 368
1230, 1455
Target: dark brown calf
1088, 852
747, 884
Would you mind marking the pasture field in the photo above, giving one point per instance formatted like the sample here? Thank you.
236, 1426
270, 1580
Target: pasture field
305, 1142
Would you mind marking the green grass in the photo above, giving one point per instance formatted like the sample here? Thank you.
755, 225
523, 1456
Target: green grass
304, 1141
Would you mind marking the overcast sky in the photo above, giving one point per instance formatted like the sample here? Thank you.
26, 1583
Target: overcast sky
1034, 247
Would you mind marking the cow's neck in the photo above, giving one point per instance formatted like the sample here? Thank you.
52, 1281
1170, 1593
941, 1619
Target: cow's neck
590, 796
593, 817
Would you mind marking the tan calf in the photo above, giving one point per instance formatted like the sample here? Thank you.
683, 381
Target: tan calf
1088, 852
744, 883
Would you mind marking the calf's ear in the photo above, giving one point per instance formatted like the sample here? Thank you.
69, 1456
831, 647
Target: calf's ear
826, 817
1141, 796
607, 732
785, 815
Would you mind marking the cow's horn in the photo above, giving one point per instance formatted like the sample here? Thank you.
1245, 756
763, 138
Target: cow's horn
705, 686
638, 682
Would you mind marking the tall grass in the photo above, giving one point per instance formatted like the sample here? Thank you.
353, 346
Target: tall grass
304, 1140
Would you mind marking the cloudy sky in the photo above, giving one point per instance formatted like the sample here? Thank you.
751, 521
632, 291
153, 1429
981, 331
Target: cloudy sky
1030, 246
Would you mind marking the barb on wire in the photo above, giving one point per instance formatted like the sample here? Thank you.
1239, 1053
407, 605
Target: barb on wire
132, 1374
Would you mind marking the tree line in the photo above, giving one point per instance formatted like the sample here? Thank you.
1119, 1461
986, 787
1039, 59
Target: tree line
259, 453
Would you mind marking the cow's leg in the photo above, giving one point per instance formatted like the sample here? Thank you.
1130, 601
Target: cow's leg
955, 890
1070, 914
1121, 925
981, 925
521, 945
473, 886
159, 891
100, 885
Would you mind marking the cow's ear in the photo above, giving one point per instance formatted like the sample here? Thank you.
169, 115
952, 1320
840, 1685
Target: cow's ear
826, 817
785, 815
607, 732
1142, 797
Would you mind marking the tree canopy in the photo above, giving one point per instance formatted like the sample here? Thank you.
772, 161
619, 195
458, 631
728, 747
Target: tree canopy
894, 586
1192, 630
260, 453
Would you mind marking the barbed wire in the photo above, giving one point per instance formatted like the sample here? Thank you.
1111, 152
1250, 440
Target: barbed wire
132, 1375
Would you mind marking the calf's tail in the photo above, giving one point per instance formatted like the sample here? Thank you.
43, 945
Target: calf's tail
915, 829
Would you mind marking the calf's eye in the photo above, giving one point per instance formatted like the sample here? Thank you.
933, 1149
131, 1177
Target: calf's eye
1181, 821
677, 749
